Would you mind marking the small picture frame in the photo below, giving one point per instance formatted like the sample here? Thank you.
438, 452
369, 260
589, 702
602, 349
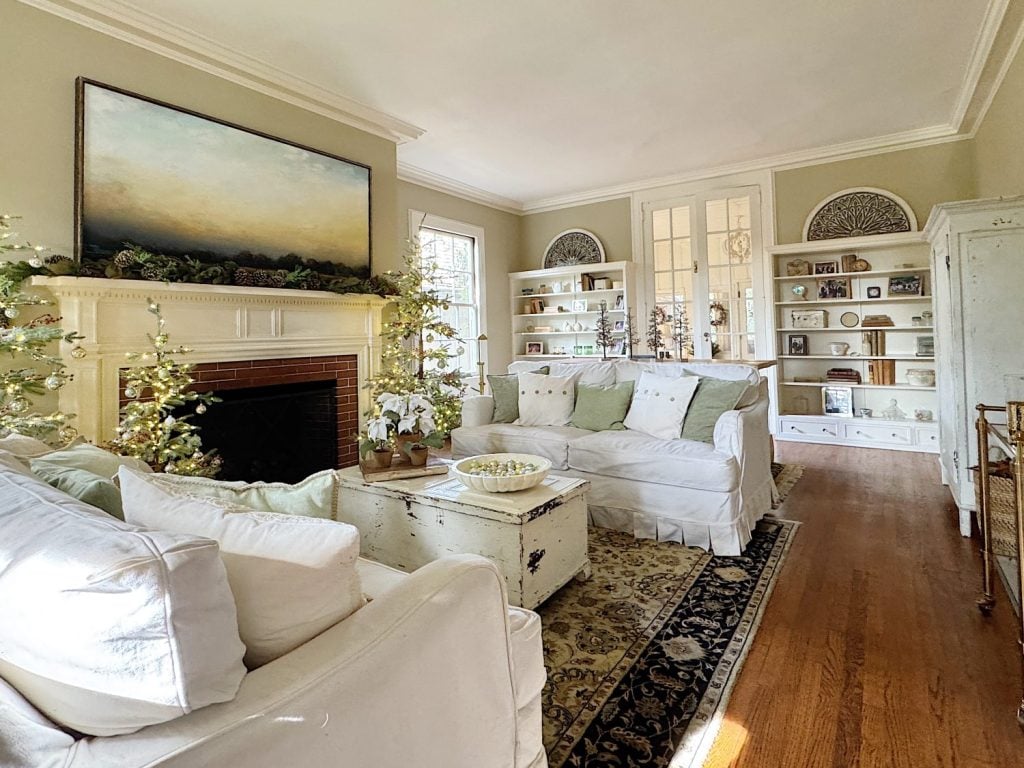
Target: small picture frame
579, 305
798, 268
874, 292
906, 285
535, 347
619, 325
834, 288
619, 302
847, 262
809, 318
826, 267
797, 343
618, 347
837, 401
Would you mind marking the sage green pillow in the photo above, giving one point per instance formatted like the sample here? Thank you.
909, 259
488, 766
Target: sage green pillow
601, 408
85, 486
505, 391
91, 459
712, 398
311, 497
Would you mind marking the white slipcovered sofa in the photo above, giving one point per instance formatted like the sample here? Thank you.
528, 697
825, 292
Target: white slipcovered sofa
699, 494
436, 670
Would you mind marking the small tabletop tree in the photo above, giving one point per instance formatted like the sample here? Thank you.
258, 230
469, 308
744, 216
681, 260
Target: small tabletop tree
155, 387
28, 342
629, 335
604, 329
681, 331
655, 336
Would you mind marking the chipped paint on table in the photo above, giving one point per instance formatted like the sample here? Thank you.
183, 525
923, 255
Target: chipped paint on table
537, 537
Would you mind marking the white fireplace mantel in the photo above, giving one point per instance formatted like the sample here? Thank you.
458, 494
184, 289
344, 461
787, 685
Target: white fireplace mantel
219, 323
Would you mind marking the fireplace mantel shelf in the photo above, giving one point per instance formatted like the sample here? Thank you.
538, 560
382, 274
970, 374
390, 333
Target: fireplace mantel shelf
218, 322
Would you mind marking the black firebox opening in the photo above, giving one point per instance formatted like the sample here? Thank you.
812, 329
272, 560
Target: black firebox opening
279, 433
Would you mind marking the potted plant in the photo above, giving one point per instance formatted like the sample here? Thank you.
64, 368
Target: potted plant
413, 418
375, 445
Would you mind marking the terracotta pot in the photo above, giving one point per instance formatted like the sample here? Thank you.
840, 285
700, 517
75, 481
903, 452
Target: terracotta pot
402, 440
418, 456
379, 459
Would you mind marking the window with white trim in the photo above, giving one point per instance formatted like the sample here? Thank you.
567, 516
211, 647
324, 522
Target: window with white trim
454, 249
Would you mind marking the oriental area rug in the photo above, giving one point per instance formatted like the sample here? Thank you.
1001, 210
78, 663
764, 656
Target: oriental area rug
642, 657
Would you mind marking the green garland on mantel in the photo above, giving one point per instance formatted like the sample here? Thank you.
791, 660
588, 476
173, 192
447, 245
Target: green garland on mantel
135, 263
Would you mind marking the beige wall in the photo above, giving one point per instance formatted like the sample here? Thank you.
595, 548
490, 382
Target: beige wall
42, 55
923, 177
501, 248
999, 143
608, 220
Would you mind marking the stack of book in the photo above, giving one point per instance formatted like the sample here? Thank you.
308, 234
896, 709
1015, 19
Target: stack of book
843, 375
881, 371
872, 343
876, 321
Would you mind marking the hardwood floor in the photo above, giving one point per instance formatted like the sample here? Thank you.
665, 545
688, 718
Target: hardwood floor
871, 651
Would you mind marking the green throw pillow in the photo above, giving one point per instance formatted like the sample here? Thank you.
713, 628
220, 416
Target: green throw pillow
601, 408
91, 459
712, 398
505, 391
311, 497
85, 486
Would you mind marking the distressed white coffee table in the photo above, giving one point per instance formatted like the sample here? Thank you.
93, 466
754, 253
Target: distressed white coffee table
537, 537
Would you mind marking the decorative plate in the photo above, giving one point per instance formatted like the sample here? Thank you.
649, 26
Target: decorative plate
859, 212
850, 319
574, 246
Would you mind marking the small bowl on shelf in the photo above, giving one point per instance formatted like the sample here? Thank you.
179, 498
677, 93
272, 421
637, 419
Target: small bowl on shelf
921, 377
492, 483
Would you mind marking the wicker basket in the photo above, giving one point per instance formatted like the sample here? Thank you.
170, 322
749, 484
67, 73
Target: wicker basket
1002, 509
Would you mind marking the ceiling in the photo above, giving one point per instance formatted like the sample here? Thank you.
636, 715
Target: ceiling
531, 100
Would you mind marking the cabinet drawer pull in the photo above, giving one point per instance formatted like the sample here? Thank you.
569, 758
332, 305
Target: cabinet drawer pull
794, 428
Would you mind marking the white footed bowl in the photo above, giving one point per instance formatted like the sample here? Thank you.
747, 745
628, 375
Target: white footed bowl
502, 484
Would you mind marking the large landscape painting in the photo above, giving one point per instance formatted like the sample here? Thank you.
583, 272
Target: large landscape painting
177, 183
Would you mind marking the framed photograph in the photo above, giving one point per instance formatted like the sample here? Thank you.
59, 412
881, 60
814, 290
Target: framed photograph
797, 343
798, 268
619, 325
834, 288
177, 182
906, 285
847, 262
579, 305
874, 292
619, 302
618, 347
535, 347
837, 401
826, 267
809, 318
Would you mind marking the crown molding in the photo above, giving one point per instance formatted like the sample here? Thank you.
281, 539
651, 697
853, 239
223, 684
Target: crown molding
922, 137
984, 101
129, 24
439, 183
980, 54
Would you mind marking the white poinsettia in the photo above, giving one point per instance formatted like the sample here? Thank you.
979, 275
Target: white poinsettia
407, 424
377, 429
427, 425
422, 404
388, 401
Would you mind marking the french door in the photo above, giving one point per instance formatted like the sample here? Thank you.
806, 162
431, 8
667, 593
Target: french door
702, 256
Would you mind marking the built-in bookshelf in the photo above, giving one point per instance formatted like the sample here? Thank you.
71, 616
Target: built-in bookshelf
555, 311
856, 314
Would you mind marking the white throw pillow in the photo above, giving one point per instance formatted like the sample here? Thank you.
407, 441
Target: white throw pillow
292, 576
106, 627
313, 496
545, 401
659, 405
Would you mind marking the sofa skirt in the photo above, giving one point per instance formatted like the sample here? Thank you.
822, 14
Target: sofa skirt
720, 522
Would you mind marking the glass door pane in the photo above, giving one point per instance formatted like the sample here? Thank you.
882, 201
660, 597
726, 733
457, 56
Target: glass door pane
730, 302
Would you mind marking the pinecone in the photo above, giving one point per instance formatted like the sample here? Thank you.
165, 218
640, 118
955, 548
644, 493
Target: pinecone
125, 259
310, 282
245, 276
277, 279
57, 259
150, 272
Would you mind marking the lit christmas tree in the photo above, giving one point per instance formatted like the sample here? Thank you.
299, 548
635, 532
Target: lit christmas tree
412, 362
27, 342
155, 387
604, 329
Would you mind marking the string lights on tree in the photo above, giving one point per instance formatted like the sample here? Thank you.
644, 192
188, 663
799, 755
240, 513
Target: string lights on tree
36, 371
152, 428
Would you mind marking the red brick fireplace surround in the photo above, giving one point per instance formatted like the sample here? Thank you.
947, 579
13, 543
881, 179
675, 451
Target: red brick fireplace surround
244, 374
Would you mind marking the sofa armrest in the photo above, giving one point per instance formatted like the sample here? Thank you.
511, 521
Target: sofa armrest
422, 673
477, 410
736, 432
